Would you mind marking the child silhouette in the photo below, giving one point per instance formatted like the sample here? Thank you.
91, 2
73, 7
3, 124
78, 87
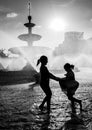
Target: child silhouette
45, 76
70, 85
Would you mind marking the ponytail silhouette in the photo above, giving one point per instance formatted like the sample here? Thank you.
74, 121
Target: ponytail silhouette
38, 62
42, 60
72, 66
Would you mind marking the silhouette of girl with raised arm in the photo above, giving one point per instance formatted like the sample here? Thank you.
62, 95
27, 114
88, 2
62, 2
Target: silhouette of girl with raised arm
45, 76
70, 84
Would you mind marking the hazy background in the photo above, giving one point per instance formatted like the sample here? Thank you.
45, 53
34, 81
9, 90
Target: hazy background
74, 15
13, 14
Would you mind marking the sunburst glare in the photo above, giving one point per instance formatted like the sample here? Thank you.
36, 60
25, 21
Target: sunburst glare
58, 24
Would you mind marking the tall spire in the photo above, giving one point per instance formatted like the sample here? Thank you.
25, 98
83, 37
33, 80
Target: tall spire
29, 9
29, 6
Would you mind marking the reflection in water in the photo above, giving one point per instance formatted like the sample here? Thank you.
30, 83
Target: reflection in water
75, 123
46, 122
19, 108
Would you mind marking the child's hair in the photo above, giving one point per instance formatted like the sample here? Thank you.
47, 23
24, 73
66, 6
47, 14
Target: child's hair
42, 59
72, 66
68, 66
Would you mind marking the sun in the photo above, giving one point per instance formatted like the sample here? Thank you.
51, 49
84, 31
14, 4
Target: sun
58, 24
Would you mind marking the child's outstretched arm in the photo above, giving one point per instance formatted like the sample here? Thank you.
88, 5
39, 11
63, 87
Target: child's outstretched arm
54, 77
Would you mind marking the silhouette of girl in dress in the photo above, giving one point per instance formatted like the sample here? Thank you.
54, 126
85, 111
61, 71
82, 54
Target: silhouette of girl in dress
70, 85
45, 76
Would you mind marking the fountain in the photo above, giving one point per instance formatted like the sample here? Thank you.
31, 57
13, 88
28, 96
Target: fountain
30, 51
30, 38
16, 72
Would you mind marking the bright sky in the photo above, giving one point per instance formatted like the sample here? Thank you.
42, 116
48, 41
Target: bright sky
67, 15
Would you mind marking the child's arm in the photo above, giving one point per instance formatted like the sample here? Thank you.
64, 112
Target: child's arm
53, 77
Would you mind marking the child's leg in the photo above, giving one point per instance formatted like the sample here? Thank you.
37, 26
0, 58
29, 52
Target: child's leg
70, 97
49, 94
46, 99
73, 100
79, 101
43, 102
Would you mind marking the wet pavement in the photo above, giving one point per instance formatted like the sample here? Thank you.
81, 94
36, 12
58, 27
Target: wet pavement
19, 108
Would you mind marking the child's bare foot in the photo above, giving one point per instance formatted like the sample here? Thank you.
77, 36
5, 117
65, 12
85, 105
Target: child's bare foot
41, 107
